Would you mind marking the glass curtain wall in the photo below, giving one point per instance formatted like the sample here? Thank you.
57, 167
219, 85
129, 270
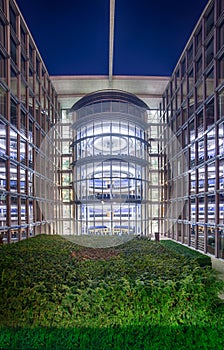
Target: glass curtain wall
110, 165
192, 113
28, 109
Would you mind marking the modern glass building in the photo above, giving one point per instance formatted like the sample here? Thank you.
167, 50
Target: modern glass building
113, 154
192, 112
28, 108
111, 163
109, 174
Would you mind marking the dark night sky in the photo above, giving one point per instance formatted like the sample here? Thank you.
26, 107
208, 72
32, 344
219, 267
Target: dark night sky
72, 36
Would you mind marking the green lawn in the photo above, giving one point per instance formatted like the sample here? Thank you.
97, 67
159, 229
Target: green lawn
139, 295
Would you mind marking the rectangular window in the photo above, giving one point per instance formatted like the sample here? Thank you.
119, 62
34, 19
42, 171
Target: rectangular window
37, 88
30, 155
211, 169
221, 70
210, 118
13, 50
221, 105
13, 113
209, 52
209, 83
2, 152
43, 120
221, 36
199, 94
42, 97
31, 105
201, 171
23, 122
192, 155
23, 216
190, 55
13, 144
31, 123
31, 54
177, 79
2, 5
192, 131
200, 125
193, 215
31, 79
211, 231
191, 105
12, 16
22, 180
209, 22
2, 102
23, 92
185, 137
43, 73
2, 67
178, 98
221, 140
171, 87
23, 37
190, 80
184, 112
198, 39
2, 33
37, 137
66, 179
220, 6
198, 67
201, 158
184, 88
66, 195
183, 67
178, 118
38, 67
221, 175
13, 82
23, 66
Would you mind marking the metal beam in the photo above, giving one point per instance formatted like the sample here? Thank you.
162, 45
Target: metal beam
111, 39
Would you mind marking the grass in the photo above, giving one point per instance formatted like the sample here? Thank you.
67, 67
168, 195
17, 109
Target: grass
56, 294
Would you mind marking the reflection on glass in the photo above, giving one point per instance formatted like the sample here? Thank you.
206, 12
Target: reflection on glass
110, 178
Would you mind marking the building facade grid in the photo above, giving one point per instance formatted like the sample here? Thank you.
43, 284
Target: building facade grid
28, 108
187, 139
192, 136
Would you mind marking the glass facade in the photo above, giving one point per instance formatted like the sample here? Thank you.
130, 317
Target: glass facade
111, 164
28, 109
108, 162
192, 110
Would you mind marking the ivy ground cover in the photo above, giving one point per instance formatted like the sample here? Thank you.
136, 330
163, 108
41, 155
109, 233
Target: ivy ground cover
140, 295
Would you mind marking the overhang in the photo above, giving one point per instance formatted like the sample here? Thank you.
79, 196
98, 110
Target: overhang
71, 89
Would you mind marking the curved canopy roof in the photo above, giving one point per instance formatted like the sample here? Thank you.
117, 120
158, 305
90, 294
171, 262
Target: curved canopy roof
109, 95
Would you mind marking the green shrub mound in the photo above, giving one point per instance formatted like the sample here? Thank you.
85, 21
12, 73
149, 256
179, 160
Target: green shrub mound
202, 259
140, 295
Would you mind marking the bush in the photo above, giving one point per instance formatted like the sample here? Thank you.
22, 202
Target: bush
202, 259
140, 295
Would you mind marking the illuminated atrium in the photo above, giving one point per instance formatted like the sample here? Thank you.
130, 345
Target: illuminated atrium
111, 160
113, 155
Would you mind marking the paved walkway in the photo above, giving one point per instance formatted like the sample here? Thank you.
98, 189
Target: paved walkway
218, 266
